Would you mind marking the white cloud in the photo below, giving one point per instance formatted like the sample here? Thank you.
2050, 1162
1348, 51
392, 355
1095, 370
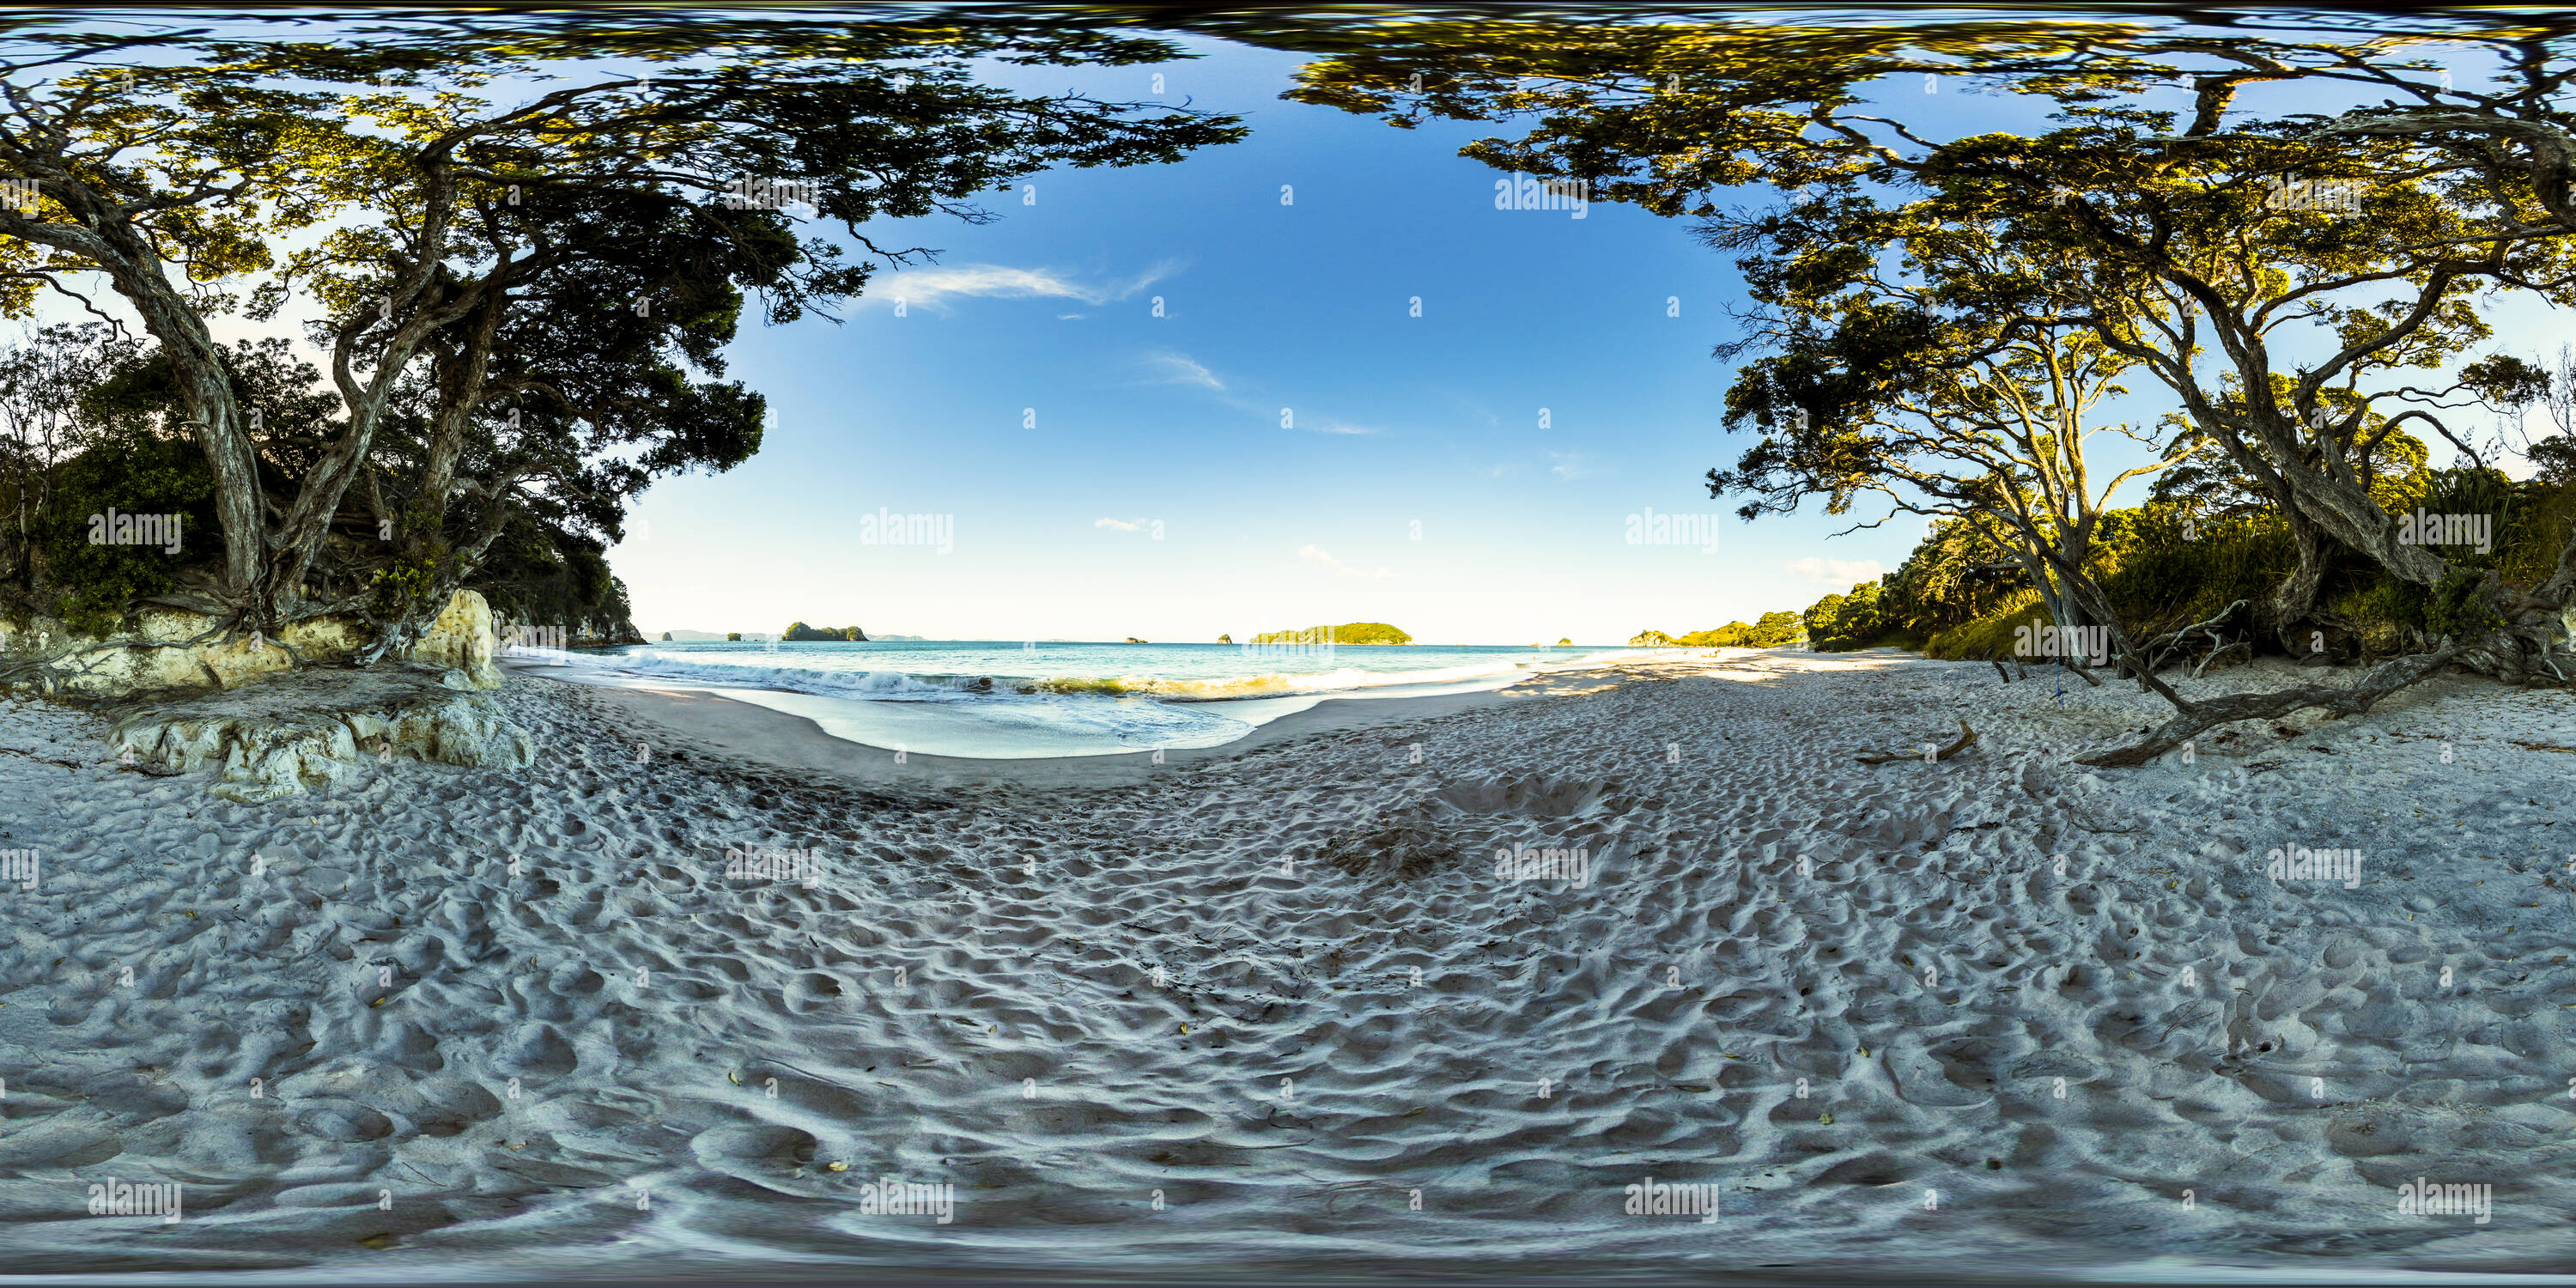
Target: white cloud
1837, 572
1342, 427
932, 287
1118, 525
1571, 465
1175, 369
1321, 556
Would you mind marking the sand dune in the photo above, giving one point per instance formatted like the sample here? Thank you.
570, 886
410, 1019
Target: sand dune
1273, 1004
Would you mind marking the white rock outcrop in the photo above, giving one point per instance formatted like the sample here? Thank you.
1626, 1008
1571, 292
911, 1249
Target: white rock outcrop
155, 655
279, 735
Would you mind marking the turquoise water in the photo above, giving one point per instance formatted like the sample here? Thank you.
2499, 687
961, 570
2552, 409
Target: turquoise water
1016, 699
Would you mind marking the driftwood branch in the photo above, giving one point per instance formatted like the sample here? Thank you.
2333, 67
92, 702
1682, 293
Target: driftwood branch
2222, 651
1966, 737
2160, 649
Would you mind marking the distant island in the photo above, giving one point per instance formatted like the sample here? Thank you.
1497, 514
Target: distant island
1346, 633
1133, 640
1775, 630
801, 631
1226, 638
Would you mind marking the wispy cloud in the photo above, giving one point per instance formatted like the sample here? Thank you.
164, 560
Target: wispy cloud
1324, 558
1118, 525
1572, 465
934, 286
1166, 367
1171, 368
1837, 572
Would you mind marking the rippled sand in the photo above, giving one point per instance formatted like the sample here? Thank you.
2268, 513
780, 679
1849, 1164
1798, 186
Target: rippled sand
1271, 1005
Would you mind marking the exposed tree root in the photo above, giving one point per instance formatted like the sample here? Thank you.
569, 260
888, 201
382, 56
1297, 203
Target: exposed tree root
2163, 650
2195, 718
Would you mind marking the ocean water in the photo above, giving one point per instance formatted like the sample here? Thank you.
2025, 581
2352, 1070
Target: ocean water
1015, 699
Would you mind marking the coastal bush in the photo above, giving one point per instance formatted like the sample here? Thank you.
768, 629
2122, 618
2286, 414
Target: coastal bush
128, 472
2164, 567
1775, 630
801, 631
543, 574
1346, 633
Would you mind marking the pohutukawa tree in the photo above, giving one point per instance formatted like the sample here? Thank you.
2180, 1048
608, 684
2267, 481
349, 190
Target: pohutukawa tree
2298, 335
524, 302
1923, 362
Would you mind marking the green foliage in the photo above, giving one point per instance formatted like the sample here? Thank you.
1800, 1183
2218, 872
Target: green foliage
132, 472
1346, 633
1819, 617
801, 631
2453, 609
1856, 622
1775, 630
1990, 636
538, 573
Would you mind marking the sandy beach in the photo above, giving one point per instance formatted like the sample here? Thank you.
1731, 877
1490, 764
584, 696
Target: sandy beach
1276, 1002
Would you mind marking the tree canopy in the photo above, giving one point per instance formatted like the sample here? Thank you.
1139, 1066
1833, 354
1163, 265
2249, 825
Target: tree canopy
523, 244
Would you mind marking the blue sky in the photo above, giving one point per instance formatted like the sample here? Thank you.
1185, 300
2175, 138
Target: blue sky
1396, 421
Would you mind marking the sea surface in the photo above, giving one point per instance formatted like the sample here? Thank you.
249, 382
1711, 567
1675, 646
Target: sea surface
1012, 699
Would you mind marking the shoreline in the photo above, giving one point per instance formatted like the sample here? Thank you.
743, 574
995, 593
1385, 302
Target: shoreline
763, 735
962, 707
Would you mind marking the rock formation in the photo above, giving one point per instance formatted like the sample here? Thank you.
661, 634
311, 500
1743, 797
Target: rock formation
280, 734
801, 631
162, 651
